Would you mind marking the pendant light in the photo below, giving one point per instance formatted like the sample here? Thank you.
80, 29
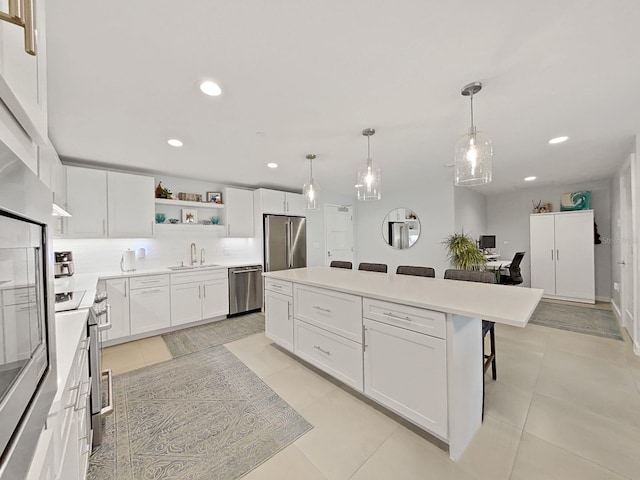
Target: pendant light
473, 151
369, 182
310, 190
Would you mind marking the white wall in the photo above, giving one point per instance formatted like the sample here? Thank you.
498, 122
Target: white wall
431, 198
470, 212
508, 218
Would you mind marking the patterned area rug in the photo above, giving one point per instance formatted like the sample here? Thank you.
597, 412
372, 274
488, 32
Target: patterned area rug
200, 416
194, 339
592, 321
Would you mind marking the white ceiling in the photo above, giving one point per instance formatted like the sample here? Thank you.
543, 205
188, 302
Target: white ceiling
123, 78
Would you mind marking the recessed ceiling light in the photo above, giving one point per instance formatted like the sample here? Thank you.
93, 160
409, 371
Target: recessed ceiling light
210, 88
553, 141
174, 142
529, 179
272, 165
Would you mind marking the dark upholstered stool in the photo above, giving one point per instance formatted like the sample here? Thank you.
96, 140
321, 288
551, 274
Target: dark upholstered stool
341, 264
416, 271
487, 327
373, 267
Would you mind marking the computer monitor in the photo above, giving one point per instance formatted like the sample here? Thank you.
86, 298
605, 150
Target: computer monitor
487, 241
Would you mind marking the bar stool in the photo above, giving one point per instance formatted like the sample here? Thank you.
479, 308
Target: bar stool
373, 267
341, 264
415, 271
487, 327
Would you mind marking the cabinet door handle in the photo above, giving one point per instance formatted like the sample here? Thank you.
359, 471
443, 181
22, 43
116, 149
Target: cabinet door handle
552, 254
557, 254
326, 352
204, 290
199, 291
364, 338
125, 289
289, 310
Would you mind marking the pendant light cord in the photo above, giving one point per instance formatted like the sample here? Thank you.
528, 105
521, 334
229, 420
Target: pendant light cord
472, 126
310, 171
369, 161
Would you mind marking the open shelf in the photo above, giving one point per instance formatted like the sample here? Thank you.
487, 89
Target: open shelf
184, 203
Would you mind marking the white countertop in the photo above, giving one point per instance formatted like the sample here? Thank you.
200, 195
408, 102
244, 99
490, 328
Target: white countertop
510, 305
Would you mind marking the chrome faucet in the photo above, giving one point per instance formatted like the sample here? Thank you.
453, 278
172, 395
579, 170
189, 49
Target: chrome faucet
193, 254
202, 256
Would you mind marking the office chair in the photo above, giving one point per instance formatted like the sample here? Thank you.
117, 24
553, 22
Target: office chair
487, 327
514, 277
373, 267
341, 264
416, 271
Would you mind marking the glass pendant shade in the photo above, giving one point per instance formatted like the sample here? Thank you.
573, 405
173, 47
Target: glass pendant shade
369, 182
311, 189
473, 155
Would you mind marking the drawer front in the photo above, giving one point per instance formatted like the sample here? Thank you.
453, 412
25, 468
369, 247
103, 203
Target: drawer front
199, 276
337, 312
16, 296
149, 281
278, 286
412, 318
339, 357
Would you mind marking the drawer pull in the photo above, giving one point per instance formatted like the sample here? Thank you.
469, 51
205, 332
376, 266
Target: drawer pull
275, 285
394, 315
326, 352
318, 307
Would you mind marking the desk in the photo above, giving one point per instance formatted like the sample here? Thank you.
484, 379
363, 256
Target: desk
493, 256
497, 264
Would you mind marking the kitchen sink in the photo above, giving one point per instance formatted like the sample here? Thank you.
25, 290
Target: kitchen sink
193, 267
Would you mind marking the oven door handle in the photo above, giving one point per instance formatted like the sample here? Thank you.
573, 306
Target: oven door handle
109, 408
106, 325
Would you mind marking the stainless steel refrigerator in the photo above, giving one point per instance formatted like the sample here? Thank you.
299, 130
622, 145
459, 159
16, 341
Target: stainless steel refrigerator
285, 242
399, 235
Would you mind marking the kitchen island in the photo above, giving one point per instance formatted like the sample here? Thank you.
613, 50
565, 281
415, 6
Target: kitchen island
412, 344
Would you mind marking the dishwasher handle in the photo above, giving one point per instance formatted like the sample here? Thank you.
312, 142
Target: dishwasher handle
236, 272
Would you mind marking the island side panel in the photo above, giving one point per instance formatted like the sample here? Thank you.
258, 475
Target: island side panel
465, 376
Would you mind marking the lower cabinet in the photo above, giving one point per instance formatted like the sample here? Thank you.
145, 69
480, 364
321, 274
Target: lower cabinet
198, 296
336, 355
407, 372
279, 318
149, 303
118, 300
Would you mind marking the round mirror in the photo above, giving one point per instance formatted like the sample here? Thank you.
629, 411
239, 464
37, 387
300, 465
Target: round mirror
401, 228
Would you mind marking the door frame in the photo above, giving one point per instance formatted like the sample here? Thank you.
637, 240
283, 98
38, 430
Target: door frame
626, 250
326, 247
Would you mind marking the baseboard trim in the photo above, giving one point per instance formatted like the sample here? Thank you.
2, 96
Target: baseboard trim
616, 311
569, 299
603, 299
636, 348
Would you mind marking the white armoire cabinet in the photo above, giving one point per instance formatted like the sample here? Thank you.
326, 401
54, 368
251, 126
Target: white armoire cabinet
562, 255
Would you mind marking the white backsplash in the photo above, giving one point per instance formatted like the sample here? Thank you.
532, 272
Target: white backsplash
103, 255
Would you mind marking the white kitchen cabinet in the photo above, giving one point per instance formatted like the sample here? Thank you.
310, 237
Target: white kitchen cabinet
149, 303
279, 318
562, 255
87, 202
406, 371
131, 207
118, 300
199, 295
280, 203
238, 212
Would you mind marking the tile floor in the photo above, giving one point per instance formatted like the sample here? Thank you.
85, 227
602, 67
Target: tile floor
565, 406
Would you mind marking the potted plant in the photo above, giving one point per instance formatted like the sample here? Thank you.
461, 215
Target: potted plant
462, 251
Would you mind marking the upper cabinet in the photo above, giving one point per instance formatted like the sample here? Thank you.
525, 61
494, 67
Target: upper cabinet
239, 212
280, 203
108, 204
25, 74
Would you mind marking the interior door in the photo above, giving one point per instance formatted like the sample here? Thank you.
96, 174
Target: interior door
543, 253
575, 275
298, 242
338, 233
276, 234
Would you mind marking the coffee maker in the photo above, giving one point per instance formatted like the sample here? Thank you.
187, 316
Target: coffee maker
63, 266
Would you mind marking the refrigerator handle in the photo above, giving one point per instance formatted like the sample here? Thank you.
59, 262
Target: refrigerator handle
267, 230
288, 242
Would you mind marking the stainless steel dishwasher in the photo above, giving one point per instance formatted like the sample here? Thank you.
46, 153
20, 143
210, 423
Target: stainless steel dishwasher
245, 289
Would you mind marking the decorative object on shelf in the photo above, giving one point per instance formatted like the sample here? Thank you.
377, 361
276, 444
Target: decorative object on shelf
462, 251
575, 201
214, 197
369, 181
214, 220
473, 151
174, 220
205, 222
542, 207
160, 217
311, 189
190, 197
162, 192
189, 215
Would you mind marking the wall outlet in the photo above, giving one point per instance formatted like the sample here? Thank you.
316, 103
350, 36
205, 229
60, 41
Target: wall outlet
226, 252
616, 287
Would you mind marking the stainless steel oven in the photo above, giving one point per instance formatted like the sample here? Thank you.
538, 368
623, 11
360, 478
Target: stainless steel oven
27, 338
